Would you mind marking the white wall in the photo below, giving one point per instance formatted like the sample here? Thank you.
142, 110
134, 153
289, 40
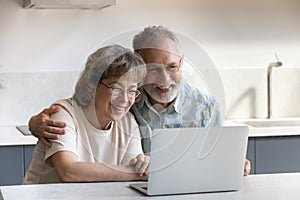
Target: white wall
234, 33
37, 46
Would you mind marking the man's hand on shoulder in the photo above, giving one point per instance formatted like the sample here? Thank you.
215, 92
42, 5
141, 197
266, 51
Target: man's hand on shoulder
44, 128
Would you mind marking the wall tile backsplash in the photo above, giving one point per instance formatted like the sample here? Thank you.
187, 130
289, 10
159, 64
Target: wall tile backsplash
286, 93
25, 94
245, 93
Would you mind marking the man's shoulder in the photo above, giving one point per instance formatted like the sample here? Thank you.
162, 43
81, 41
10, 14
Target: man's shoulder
192, 94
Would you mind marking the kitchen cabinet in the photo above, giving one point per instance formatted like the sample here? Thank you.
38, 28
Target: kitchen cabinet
267, 155
251, 154
14, 163
28, 151
277, 154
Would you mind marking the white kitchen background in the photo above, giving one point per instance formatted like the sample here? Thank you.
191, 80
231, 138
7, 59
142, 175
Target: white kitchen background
42, 51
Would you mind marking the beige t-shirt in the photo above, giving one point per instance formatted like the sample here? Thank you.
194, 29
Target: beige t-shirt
115, 146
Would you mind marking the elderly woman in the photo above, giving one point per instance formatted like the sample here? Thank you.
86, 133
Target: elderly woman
103, 140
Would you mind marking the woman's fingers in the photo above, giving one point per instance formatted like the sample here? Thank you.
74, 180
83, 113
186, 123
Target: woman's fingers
140, 164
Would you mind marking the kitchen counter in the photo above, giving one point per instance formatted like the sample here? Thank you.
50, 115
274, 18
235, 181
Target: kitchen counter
272, 186
272, 132
10, 135
269, 127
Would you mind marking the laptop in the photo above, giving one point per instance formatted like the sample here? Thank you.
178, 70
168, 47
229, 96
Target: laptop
196, 160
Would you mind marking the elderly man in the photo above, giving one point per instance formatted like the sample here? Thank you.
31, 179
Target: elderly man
167, 101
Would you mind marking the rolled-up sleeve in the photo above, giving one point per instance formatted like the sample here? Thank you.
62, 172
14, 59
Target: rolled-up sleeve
66, 142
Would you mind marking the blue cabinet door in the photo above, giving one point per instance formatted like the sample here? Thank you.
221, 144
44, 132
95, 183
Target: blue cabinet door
12, 165
251, 154
278, 154
28, 151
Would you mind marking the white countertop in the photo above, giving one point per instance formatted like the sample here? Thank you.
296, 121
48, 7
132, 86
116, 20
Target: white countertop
255, 187
270, 131
10, 135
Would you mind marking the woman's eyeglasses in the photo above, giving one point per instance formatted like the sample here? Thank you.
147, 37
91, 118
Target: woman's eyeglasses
117, 91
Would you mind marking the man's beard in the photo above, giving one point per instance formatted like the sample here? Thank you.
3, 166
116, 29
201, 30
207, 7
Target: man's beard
163, 98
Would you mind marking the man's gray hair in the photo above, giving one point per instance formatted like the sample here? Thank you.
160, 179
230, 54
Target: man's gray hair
152, 37
108, 62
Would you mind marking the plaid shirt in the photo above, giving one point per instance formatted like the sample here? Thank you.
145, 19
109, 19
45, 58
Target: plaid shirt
192, 108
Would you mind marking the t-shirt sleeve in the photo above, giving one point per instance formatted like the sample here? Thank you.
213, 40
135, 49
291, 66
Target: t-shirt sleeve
66, 142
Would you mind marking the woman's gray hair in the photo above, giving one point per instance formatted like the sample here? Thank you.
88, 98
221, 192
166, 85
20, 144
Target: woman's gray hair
108, 62
152, 37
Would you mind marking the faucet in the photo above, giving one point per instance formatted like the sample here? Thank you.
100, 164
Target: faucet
269, 78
